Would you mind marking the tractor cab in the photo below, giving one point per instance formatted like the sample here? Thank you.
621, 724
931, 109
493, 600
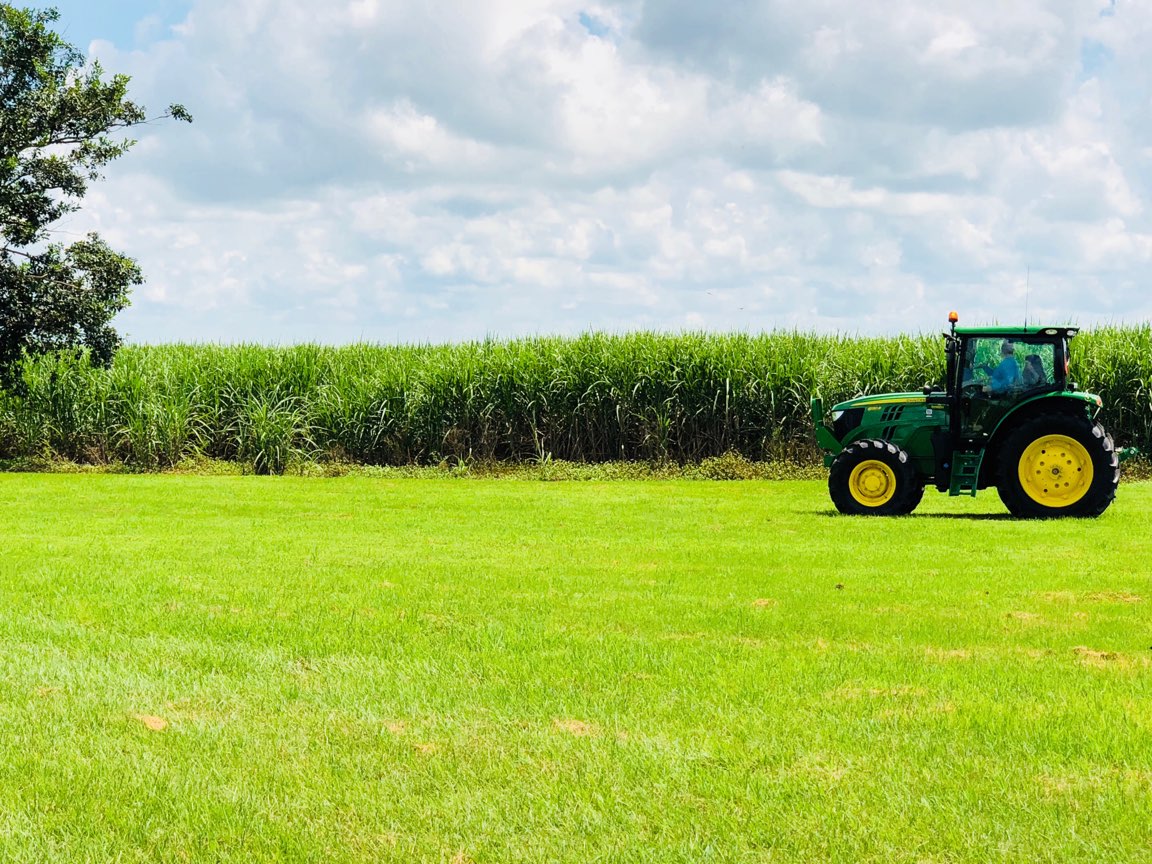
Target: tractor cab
993, 370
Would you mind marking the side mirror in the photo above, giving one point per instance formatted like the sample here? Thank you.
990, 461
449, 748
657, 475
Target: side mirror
927, 389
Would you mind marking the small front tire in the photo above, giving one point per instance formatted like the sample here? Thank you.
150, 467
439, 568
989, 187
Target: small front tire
874, 478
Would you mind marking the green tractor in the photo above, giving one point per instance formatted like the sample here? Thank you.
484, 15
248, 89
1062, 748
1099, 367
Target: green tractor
1007, 417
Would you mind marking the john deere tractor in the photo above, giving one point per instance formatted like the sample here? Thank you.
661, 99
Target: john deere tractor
1008, 417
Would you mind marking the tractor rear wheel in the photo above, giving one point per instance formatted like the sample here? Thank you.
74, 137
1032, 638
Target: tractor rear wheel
874, 478
1058, 465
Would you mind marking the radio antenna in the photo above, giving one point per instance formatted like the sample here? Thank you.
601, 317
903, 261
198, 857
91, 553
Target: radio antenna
1027, 293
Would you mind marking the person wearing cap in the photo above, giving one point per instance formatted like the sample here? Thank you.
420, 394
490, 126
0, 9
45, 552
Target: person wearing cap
1006, 376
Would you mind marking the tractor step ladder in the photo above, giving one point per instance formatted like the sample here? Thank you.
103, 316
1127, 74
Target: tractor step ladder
965, 472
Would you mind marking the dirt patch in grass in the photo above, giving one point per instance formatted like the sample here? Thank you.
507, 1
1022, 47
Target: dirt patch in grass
1022, 616
749, 641
823, 646
901, 692
578, 728
1063, 785
685, 637
1114, 597
765, 603
1094, 597
947, 653
1092, 657
1110, 659
152, 722
820, 767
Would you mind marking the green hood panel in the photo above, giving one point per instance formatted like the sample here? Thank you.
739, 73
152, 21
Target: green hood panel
881, 399
1089, 399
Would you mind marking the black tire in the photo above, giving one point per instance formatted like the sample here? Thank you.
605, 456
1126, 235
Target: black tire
915, 498
1076, 474
874, 478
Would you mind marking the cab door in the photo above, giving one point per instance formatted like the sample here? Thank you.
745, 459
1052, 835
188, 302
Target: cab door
997, 374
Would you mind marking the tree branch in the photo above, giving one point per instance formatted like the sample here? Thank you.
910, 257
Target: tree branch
8, 250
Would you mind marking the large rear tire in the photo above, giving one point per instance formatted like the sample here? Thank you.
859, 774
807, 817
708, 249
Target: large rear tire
874, 478
1058, 465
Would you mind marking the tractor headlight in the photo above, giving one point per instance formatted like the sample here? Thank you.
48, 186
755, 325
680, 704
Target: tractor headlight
836, 415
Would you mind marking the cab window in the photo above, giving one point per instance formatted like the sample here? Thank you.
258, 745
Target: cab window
1038, 365
1004, 368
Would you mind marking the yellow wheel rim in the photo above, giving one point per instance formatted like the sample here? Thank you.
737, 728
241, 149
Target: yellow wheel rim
872, 483
1056, 471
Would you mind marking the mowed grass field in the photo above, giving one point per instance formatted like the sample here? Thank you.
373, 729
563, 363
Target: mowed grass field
286, 669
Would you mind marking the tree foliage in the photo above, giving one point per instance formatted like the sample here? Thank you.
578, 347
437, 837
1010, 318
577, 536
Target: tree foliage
58, 119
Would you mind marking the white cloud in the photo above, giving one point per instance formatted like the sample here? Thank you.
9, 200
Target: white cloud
386, 170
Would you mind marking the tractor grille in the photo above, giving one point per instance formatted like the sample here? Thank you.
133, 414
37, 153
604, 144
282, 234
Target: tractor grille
848, 421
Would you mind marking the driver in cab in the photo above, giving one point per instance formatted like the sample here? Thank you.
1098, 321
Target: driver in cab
1006, 376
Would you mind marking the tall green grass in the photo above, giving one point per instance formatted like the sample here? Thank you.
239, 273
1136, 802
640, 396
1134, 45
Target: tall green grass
590, 398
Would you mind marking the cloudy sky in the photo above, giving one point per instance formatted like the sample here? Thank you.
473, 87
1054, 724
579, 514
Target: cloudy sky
388, 170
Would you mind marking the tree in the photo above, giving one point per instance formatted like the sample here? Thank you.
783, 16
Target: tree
58, 114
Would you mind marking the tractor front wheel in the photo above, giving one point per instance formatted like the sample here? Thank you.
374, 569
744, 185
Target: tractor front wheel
874, 478
1058, 465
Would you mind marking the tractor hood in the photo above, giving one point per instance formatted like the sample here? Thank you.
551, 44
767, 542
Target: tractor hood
880, 399
1089, 399
885, 410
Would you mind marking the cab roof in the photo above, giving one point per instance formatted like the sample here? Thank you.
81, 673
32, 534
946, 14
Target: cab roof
1045, 330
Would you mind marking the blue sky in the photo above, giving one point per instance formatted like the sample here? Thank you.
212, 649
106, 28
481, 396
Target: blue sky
393, 171
125, 23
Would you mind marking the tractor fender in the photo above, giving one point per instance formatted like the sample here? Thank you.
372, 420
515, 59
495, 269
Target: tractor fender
1079, 404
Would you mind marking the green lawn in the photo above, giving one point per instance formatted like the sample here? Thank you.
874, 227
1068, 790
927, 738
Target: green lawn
285, 669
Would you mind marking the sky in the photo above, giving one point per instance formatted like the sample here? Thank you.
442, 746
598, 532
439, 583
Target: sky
387, 171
